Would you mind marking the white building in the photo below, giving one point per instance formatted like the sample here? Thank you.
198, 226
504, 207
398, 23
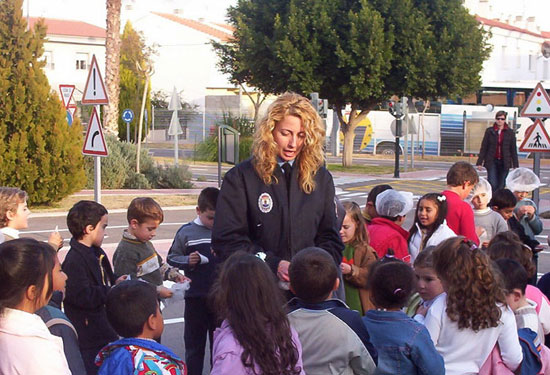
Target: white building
68, 51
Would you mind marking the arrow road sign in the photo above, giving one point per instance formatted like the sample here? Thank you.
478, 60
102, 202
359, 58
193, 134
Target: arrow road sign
127, 115
175, 103
94, 91
94, 143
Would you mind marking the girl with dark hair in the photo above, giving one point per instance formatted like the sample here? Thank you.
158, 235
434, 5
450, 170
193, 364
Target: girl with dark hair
255, 336
404, 345
357, 257
430, 227
467, 321
28, 273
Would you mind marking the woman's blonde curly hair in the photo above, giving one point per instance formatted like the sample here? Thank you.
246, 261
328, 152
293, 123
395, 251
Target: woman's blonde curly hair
474, 292
265, 150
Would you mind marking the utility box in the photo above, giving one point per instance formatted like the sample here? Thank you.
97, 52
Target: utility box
229, 144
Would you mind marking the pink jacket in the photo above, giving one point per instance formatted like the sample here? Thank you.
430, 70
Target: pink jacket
226, 354
385, 234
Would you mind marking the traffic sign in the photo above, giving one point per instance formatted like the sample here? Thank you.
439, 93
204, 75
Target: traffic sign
127, 115
66, 94
94, 143
536, 139
175, 128
72, 109
175, 103
69, 118
538, 103
94, 91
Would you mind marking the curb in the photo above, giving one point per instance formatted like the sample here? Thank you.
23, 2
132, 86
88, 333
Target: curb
115, 211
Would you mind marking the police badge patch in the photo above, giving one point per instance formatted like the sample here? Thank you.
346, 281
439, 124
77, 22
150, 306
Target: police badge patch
265, 203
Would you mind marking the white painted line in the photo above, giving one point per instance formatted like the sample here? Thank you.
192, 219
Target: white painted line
108, 227
174, 321
355, 194
341, 192
115, 211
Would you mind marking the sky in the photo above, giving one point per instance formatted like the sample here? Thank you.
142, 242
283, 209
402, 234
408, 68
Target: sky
93, 11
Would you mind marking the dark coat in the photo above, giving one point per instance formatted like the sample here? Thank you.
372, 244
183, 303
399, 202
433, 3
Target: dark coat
245, 221
86, 294
488, 149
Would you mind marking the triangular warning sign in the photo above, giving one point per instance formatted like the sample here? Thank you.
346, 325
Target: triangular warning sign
66, 94
94, 143
94, 91
536, 139
72, 109
538, 103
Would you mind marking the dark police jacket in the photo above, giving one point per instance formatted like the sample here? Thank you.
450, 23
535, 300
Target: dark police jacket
488, 149
256, 217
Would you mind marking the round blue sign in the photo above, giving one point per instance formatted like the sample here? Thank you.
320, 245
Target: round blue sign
69, 118
127, 115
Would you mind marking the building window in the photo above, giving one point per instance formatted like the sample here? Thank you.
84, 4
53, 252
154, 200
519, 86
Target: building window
518, 58
81, 61
504, 57
532, 62
48, 59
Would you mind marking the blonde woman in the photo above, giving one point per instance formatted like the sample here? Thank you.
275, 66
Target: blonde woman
258, 212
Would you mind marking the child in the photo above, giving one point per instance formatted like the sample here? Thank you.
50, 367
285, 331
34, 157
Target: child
385, 231
522, 181
430, 227
334, 339
461, 179
404, 345
58, 323
14, 215
135, 255
27, 274
428, 285
467, 321
133, 311
506, 245
191, 252
255, 336
515, 282
89, 278
369, 212
357, 257
488, 222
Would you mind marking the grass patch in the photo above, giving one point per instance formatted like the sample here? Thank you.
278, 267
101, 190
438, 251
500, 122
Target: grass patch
112, 202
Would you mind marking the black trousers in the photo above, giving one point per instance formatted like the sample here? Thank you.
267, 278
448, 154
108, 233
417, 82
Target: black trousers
199, 321
88, 356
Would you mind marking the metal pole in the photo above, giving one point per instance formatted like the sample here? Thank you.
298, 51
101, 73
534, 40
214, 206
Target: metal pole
412, 151
219, 156
97, 169
128, 132
397, 133
406, 144
176, 152
536, 170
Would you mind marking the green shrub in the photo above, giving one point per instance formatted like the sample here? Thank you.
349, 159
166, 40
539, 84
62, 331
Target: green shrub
174, 177
208, 149
118, 169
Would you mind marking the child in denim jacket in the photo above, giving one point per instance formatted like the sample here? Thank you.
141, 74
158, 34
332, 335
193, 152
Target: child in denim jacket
404, 345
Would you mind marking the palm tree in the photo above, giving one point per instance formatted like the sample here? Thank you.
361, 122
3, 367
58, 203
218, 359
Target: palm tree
112, 65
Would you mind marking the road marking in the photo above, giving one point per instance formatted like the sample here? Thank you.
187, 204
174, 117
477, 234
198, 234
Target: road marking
108, 227
349, 195
174, 321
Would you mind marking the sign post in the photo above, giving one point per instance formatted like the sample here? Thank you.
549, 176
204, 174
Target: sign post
175, 127
94, 143
536, 139
127, 117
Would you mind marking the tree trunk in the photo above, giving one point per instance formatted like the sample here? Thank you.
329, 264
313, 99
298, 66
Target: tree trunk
112, 65
347, 155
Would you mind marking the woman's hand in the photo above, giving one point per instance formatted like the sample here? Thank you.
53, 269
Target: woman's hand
345, 268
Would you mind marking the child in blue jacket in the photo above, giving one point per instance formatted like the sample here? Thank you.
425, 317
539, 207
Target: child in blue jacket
133, 311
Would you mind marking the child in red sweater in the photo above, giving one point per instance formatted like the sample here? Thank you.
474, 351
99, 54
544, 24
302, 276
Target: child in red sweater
385, 231
461, 179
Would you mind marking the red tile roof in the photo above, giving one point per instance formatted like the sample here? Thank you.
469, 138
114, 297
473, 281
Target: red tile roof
546, 34
199, 26
503, 25
72, 28
225, 26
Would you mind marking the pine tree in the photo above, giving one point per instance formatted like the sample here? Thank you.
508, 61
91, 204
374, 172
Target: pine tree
132, 82
39, 152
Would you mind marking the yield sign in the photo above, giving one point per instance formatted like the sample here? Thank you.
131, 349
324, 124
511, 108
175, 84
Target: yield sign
538, 103
94, 143
72, 109
536, 139
66, 94
94, 91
